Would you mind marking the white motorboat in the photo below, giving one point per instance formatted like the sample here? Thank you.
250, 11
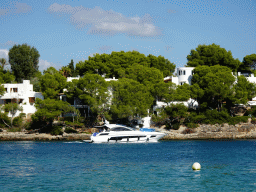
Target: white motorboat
120, 133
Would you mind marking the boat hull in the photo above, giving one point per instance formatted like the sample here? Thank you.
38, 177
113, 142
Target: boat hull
127, 137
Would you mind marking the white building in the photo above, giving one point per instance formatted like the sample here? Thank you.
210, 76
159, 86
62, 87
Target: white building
23, 94
77, 103
184, 75
251, 79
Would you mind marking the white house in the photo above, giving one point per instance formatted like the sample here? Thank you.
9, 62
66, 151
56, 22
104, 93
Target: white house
184, 75
77, 103
23, 94
251, 79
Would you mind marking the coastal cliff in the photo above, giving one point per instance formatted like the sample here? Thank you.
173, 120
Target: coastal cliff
203, 132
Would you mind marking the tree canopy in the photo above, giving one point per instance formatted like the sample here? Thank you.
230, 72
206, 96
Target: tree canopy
69, 70
24, 61
249, 63
143, 74
130, 98
115, 64
3, 62
211, 55
65, 71
164, 91
5, 77
50, 109
92, 90
12, 108
72, 68
51, 71
212, 85
182, 92
243, 91
52, 84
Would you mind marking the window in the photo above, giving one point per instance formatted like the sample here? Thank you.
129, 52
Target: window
14, 100
31, 99
116, 129
120, 129
184, 72
5, 90
15, 89
125, 129
103, 134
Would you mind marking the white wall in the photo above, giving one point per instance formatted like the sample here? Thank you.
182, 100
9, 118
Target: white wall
184, 75
24, 92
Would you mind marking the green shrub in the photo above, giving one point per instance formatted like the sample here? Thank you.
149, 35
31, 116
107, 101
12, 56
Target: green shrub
76, 124
22, 115
161, 119
253, 121
70, 119
251, 112
70, 130
5, 118
198, 118
215, 117
192, 125
27, 125
16, 129
56, 130
17, 121
238, 119
176, 125
168, 126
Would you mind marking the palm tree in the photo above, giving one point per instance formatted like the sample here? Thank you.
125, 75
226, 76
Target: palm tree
3, 62
65, 71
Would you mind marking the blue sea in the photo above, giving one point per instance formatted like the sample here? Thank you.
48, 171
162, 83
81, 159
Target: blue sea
164, 166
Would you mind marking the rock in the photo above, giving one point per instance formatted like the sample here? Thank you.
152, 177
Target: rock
224, 131
19, 136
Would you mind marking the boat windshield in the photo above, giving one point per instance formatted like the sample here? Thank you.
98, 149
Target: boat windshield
122, 129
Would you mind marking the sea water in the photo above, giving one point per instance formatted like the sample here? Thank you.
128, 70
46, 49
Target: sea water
162, 166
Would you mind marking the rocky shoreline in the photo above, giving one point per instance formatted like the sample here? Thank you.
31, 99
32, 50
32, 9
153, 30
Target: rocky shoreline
203, 132
23, 136
213, 132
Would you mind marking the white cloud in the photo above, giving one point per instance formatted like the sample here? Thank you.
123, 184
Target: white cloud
22, 8
8, 43
104, 22
43, 64
4, 54
15, 8
3, 12
105, 48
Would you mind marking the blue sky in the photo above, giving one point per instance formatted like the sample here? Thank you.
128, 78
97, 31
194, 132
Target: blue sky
62, 30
